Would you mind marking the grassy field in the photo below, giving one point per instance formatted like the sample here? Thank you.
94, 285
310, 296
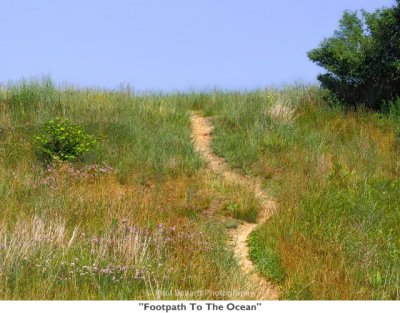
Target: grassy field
127, 220
121, 224
335, 176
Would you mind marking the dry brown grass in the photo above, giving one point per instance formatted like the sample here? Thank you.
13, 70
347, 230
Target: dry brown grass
146, 237
282, 112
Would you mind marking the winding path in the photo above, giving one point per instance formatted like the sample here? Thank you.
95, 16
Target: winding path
201, 134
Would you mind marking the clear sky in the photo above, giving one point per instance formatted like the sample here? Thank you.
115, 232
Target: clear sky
167, 45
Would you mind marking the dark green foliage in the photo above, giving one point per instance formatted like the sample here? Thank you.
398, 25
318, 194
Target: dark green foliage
362, 59
64, 141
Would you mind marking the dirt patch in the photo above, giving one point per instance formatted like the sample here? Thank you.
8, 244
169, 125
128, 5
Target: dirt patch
202, 138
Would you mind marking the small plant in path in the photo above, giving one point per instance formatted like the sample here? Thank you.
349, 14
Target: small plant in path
64, 141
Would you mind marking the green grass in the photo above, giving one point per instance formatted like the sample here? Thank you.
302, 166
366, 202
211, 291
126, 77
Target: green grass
266, 258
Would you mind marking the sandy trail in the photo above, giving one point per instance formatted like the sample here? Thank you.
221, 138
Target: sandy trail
201, 133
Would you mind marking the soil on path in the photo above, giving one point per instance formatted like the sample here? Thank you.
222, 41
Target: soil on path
202, 138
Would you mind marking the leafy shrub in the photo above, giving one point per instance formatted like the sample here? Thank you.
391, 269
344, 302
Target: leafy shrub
64, 141
362, 59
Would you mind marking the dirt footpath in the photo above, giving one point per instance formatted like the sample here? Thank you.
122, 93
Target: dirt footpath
202, 138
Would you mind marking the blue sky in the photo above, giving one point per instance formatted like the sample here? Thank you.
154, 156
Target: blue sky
167, 45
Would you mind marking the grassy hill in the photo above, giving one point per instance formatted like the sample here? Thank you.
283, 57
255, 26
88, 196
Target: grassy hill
126, 222
335, 176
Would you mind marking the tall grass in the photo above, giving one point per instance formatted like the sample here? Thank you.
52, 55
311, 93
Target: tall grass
126, 221
335, 176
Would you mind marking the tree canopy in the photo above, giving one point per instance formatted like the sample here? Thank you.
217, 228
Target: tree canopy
362, 58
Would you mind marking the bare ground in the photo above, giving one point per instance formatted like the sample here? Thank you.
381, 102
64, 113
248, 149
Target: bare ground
202, 138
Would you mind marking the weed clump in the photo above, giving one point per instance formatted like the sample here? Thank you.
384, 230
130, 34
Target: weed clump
62, 140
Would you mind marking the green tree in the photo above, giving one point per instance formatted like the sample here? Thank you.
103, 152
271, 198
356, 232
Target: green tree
362, 58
